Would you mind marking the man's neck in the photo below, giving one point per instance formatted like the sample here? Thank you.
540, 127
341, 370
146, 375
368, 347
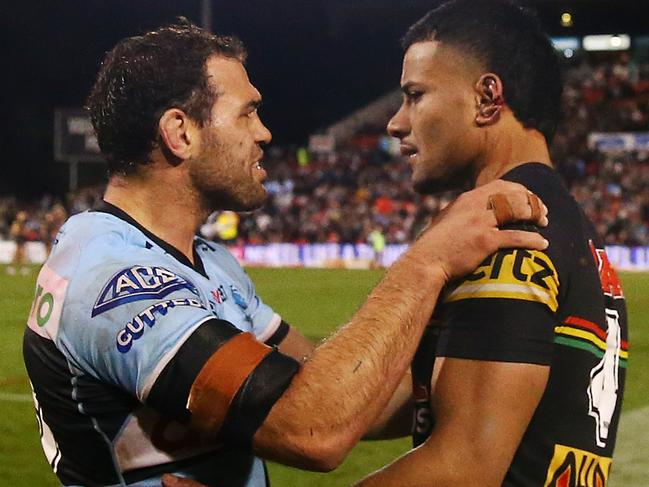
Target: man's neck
159, 206
507, 146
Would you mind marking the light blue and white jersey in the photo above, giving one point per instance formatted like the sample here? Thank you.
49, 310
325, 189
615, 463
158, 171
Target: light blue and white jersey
113, 307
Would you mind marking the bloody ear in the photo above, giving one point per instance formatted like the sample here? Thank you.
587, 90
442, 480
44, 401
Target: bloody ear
490, 99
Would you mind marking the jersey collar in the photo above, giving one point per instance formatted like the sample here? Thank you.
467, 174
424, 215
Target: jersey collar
105, 207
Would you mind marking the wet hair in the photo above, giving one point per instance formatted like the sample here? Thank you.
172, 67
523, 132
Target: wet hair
508, 40
142, 77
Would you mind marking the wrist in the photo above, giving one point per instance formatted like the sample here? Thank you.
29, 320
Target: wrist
424, 271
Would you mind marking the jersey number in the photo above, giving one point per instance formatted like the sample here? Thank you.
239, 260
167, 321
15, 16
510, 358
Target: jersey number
603, 387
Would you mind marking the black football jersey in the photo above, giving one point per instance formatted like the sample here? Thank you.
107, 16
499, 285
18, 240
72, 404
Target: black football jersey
562, 307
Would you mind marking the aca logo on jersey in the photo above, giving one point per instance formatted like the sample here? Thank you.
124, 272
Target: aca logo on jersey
135, 328
137, 283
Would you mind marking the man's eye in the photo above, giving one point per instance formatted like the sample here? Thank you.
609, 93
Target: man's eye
413, 95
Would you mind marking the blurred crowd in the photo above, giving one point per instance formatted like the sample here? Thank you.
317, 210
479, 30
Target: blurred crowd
40, 220
363, 187
612, 187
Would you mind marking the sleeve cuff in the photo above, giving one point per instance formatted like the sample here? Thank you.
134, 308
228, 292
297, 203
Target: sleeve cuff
270, 330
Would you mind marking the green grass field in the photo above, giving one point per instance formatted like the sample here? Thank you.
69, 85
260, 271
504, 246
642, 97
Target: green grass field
316, 302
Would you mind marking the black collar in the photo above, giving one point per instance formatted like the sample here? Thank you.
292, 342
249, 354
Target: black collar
105, 207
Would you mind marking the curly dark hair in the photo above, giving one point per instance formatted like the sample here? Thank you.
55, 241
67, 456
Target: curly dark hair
510, 42
142, 77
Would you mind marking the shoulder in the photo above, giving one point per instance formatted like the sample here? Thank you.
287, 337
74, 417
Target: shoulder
568, 228
103, 262
111, 289
220, 257
215, 252
547, 183
90, 242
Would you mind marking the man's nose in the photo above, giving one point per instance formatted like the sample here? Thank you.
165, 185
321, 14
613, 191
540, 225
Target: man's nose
264, 136
398, 125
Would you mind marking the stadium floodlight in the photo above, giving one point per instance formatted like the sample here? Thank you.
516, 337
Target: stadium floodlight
607, 42
566, 19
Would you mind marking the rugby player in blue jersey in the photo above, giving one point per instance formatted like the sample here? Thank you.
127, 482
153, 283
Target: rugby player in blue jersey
148, 348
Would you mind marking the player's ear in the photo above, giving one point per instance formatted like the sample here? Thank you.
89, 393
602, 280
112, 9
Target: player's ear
489, 99
178, 135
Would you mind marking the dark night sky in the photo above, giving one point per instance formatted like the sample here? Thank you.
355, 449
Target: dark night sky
313, 60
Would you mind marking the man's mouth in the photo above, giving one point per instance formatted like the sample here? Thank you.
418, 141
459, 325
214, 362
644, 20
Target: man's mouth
259, 160
258, 169
408, 150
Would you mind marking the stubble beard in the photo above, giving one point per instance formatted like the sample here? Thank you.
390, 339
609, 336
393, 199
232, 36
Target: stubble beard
223, 182
457, 179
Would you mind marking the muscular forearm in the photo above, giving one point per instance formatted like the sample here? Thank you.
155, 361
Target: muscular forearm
396, 419
349, 379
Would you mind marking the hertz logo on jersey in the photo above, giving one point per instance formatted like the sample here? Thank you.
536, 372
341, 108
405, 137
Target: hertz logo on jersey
529, 275
137, 283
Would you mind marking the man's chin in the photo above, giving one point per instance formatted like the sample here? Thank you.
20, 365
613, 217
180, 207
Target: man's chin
249, 204
250, 201
458, 180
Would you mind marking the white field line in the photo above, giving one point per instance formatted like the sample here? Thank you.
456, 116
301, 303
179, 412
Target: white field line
12, 397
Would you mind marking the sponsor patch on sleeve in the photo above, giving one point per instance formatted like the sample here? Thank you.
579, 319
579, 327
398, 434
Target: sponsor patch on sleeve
45, 315
134, 329
137, 283
527, 275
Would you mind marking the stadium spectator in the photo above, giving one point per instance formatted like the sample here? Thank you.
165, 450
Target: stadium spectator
221, 227
52, 222
20, 233
377, 240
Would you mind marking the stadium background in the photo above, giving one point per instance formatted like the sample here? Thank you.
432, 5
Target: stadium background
327, 70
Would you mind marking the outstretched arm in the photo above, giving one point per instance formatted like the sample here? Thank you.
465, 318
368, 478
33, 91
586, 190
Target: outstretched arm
341, 389
396, 420
348, 380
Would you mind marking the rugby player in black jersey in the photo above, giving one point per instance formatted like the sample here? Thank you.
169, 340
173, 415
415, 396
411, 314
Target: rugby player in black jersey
519, 380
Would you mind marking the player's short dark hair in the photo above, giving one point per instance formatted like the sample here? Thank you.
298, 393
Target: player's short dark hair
142, 77
510, 42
